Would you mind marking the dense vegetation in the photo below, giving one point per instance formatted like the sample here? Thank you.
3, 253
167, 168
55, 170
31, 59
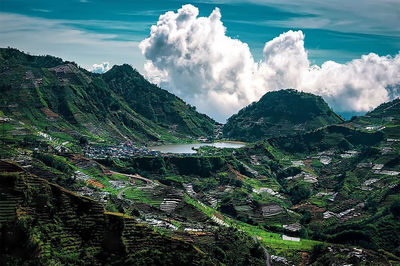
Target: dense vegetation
59, 97
331, 137
279, 113
156, 104
312, 190
46, 224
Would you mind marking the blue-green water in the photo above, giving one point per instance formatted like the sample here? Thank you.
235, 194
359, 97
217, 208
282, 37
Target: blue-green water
189, 148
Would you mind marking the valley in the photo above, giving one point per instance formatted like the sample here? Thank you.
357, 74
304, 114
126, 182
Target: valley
100, 169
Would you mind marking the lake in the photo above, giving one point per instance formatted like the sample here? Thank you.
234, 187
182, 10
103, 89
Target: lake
188, 148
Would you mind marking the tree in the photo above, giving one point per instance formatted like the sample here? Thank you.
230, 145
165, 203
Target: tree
83, 141
299, 193
395, 208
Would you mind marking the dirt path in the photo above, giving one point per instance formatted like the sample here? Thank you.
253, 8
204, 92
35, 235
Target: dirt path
267, 256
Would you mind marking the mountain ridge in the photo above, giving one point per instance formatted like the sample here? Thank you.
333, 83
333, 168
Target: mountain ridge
277, 113
310, 190
42, 89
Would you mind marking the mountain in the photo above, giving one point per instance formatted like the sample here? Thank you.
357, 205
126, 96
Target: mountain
331, 137
279, 113
44, 224
388, 109
327, 193
157, 104
386, 117
60, 98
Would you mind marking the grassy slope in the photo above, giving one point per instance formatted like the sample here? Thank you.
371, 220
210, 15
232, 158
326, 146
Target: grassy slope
52, 225
73, 101
280, 113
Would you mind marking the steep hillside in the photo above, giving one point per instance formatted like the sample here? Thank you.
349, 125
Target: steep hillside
279, 113
332, 137
342, 179
156, 104
312, 191
386, 110
385, 117
43, 223
59, 97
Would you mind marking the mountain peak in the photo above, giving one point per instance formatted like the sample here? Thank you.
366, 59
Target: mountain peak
125, 69
118, 104
282, 112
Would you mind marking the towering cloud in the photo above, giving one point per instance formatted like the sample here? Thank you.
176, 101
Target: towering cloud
100, 68
193, 57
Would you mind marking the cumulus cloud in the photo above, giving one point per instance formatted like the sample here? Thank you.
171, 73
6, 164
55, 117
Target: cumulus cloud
100, 68
193, 57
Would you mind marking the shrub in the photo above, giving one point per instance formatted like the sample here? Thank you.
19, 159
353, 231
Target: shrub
395, 208
299, 193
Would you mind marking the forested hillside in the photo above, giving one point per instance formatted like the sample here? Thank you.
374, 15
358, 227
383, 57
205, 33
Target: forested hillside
60, 98
280, 113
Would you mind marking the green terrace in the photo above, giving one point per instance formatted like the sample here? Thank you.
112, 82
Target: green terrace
272, 241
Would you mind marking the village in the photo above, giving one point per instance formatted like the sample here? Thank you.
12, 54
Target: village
123, 150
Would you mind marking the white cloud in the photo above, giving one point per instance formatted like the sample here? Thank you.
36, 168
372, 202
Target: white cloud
196, 60
41, 10
193, 57
100, 68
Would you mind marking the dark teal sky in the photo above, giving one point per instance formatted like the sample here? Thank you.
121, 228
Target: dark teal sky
94, 31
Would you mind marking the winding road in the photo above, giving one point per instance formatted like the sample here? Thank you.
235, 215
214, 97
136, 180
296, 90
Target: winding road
148, 181
119, 196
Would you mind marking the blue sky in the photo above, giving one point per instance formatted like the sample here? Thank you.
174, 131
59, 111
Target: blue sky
338, 31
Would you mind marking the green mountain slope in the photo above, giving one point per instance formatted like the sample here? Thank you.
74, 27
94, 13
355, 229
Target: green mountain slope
388, 109
312, 193
342, 179
335, 188
157, 104
385, 117
44, 224
279, 113
59, 97
336, 137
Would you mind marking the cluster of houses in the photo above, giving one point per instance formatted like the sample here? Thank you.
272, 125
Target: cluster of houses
306, 177
269, 191
5, 119
101, 196
218, 131
378, 169
123, 150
